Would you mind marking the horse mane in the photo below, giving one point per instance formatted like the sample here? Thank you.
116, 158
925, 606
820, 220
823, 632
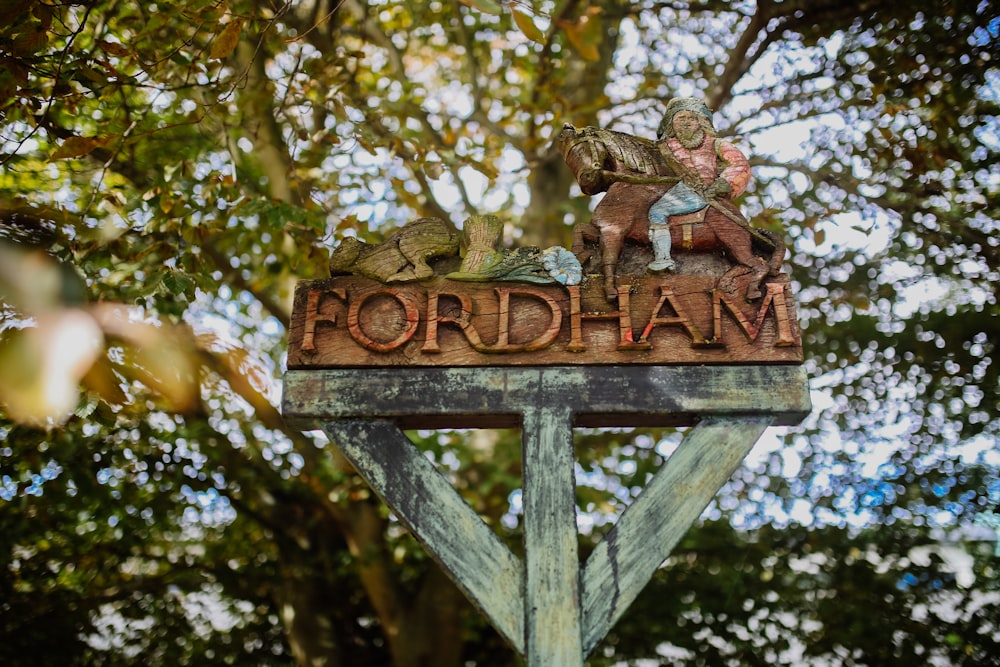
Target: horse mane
630, 153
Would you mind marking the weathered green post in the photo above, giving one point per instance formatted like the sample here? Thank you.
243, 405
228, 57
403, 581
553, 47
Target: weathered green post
550, 611
419, 338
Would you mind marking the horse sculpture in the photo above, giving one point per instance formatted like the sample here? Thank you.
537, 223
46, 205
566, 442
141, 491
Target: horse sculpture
634, 174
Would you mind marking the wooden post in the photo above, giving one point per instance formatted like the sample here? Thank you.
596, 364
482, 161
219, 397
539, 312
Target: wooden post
549, 611
552, 579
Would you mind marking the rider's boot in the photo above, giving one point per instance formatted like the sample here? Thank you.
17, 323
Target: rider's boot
661, 250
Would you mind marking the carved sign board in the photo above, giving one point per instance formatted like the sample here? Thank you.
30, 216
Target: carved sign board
352, 321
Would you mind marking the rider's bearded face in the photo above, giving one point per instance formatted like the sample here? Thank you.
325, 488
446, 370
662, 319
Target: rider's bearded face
688, 129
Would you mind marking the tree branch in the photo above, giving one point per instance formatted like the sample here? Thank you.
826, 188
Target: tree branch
270, 304
256, 103
740, 60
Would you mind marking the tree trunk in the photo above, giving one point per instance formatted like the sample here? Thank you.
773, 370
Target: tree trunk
308, 591
550, 180
431, 632
305, 614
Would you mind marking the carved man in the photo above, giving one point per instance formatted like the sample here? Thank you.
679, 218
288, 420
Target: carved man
709, 169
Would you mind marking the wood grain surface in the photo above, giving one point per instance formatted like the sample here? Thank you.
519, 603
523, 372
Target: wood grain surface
352, 321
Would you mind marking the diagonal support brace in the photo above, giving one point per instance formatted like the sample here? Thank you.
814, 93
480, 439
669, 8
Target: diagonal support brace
646, 533
468, 550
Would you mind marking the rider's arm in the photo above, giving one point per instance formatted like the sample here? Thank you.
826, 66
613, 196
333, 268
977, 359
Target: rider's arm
736, 169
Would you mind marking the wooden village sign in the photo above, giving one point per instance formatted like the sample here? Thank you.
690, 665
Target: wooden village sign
671, 309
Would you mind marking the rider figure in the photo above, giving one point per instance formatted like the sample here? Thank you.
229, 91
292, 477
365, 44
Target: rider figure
708, 168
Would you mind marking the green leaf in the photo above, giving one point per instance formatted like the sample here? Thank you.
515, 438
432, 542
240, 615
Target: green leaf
485, 6
74, 147
225, 42
178, 283
585, 33
527, 26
